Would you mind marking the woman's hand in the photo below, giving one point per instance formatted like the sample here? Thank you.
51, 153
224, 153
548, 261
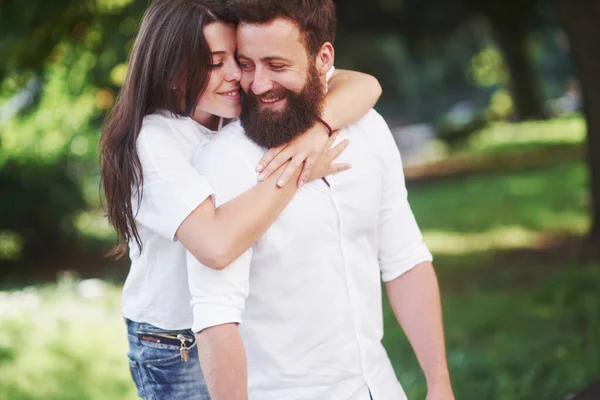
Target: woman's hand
325, 163
309, 149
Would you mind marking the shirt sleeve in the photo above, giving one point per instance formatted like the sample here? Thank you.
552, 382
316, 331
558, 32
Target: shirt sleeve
401, 245
330, 73
219, 296
172, 188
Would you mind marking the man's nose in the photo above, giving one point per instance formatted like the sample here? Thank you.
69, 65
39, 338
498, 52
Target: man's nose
261, 83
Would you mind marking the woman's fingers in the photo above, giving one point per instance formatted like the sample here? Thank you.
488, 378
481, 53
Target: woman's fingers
290, 170
331, 140
338, 149
306, 171
281, 158
269, 157
338, 167
319, 162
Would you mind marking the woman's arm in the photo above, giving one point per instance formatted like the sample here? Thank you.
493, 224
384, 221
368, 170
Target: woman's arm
351, 95
218, 236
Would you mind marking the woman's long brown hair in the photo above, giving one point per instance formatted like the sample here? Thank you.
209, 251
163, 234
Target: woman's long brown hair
170, 61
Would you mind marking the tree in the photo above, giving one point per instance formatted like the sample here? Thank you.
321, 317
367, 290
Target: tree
580, 19
72, 53
30, 30
511, 20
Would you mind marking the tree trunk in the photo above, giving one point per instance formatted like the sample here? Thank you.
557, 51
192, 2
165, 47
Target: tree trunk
581, 20
511, 36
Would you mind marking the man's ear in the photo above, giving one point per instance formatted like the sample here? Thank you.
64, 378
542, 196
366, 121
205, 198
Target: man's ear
325, 58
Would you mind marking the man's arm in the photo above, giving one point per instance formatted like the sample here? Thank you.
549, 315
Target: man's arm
218, 301
223, 362
406, 268
415, 299
218, 296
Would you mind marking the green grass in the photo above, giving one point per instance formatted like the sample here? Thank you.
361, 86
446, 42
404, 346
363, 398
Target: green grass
541, 200
534, 341
565, 135
521, 315
56, 343
502, 137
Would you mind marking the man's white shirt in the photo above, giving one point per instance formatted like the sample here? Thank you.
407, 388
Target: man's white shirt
307, 295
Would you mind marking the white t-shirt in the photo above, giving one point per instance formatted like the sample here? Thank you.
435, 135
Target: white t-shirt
156, 290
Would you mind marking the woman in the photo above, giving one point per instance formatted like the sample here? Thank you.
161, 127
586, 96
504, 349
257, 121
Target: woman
182, 83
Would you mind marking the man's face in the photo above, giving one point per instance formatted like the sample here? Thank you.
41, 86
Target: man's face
283, 90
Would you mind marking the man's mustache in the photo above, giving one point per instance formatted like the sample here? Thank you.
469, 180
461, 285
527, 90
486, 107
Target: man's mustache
271, 94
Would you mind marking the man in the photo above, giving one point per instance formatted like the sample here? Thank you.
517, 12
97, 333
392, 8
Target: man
309, 290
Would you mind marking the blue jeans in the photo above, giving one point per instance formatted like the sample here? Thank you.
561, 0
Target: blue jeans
157, 367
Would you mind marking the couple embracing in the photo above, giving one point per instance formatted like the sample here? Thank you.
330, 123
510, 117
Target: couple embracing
263, 202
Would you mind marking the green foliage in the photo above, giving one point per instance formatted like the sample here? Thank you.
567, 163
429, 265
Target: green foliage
503, 137
48, 150
478, 141
519, 341
487, 68
47, 157
521, 323
543, 201
58, 342
31, 30
42, 199
475, 138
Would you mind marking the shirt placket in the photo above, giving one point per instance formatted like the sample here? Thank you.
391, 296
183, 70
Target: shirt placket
348, 277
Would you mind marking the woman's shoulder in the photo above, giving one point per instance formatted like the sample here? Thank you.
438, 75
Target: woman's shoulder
163, 127
232, 135
230, 146
164, 122
154, 125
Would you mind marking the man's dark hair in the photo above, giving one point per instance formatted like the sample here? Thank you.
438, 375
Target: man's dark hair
316, 19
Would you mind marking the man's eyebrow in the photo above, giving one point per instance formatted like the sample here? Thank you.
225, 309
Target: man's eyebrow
269, 58
274, 58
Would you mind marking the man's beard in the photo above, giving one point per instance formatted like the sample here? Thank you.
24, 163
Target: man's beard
270, 128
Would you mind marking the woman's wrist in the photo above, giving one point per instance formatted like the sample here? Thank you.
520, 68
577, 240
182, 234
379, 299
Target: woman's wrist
326, 125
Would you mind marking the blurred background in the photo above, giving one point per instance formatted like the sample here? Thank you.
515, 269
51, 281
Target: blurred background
495, 106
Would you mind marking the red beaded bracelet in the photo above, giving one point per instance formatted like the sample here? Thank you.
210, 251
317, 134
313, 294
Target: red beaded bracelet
329, 130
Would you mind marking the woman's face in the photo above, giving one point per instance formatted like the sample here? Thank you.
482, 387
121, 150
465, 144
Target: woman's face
221, 97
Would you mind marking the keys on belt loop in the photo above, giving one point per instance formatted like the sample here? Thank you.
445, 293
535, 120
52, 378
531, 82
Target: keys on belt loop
183, 350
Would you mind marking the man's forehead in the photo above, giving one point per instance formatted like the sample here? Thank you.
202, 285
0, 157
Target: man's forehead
280, 35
